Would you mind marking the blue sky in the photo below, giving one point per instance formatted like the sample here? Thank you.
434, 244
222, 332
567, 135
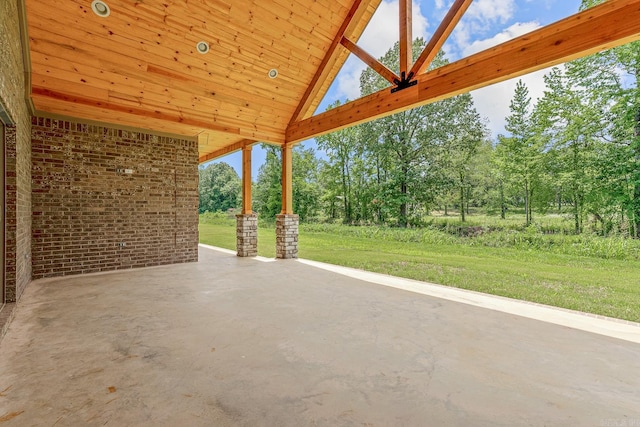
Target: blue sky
486, 24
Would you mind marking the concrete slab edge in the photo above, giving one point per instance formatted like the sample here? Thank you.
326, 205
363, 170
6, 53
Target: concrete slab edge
230, 252
7, 312
615, 328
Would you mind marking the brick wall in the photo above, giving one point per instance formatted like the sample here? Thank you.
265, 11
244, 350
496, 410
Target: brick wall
17, 153
95, 188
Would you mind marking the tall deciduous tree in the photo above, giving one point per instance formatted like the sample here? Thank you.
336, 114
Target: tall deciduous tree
267, 196
467, 133
623, 64
306, 190
341, 148
219, 188
406, 148
520, 154
626, 121
573, 113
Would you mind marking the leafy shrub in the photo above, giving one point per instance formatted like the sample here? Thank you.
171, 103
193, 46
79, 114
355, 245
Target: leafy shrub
222, 218
530, 238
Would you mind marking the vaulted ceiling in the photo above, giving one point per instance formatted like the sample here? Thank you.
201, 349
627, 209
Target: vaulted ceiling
139, 66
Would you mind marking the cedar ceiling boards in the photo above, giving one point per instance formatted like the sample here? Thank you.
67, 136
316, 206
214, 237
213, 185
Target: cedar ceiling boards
139, 66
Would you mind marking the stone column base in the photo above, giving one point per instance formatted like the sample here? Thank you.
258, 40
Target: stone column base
287, 236
247, 235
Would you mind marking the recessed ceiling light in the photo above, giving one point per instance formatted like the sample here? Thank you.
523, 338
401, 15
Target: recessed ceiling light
100, 8
202, 47
273, 73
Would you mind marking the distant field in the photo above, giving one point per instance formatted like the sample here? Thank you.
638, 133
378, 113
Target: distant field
585, 273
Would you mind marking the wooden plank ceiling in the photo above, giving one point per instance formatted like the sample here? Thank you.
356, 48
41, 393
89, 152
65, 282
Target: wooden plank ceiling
139, 66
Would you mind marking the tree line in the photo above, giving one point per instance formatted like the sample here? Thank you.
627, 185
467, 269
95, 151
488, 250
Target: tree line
576, 151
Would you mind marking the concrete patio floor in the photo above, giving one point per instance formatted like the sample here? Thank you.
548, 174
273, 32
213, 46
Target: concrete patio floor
239, 342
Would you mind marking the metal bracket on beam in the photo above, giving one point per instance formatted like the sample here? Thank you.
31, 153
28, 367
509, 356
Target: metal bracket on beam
404, 82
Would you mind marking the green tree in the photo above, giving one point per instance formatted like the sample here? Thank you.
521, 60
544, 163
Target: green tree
405, 150
341, 150
496, 180
306, 187
219, 188
571, 112
306, 190
619, 68
483, 189
626, 122
520, 155
267, 194
462, 146
623, 158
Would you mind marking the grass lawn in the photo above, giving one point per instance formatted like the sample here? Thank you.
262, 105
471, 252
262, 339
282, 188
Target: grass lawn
223, 235
608, 287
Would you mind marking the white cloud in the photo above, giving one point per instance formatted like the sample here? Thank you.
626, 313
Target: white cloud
439, 4
348, 80
548, 4
482, 15
491, 10
379, 36
382, 31
515, 30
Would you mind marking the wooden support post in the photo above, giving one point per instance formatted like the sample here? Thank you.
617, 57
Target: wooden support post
287, 179
246, 180
406, 38
247, 221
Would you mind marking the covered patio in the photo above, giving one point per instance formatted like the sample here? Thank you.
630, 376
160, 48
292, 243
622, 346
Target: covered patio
236, 341
115, 315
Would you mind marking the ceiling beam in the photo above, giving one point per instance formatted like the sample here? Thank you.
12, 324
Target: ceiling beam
215, 124
226, 150
607, 25
406, 38
372, 62
438, 39
358, 8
